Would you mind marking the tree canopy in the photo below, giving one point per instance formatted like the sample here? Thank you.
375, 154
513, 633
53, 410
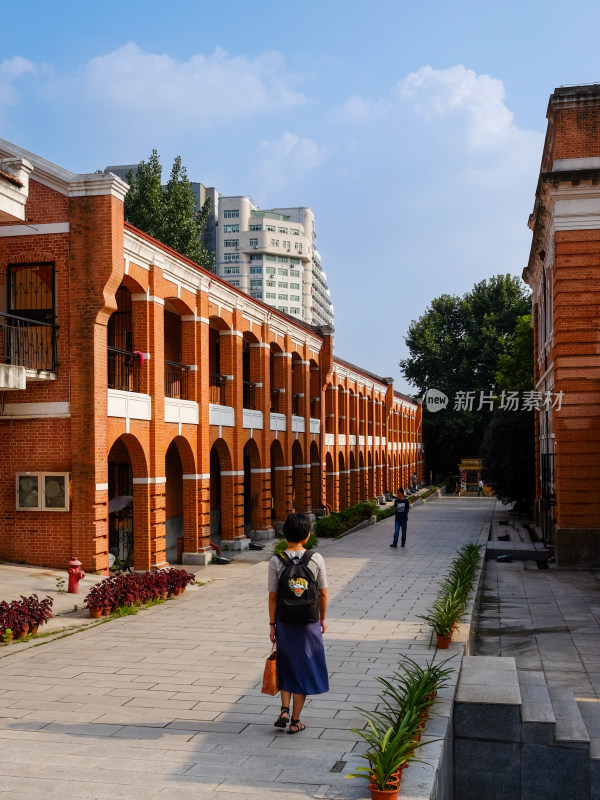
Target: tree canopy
456, 347
508, 447
167, 213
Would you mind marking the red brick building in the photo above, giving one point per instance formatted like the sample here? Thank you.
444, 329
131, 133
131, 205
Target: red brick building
564, 275
143, 400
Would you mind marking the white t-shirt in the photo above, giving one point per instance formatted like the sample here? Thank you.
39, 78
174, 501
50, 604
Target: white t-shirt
316, 565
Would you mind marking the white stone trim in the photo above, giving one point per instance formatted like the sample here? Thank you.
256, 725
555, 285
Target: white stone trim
233, 473
37, 410
190, 477
41, 229
563, 164
260, 471
283, 469
102, 487
148, 481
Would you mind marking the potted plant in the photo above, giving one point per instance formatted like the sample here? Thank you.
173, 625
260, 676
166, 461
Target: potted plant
99, 599
389, 752
21, 619
39, 610
442, 617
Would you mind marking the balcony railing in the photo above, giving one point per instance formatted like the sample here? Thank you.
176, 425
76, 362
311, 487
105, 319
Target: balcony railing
177, 381
217, 389
28, 343
123, 370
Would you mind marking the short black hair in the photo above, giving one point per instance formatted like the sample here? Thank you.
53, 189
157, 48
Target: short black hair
400, 490
296, 528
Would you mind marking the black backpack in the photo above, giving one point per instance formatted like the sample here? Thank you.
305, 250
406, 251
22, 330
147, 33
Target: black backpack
297, 593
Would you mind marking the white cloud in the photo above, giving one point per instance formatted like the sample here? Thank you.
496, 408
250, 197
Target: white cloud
10, 70
147, 88
358, 108
286, 158
479, 99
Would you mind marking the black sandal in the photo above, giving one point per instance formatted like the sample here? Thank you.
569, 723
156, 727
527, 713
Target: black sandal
298, 725
281, 721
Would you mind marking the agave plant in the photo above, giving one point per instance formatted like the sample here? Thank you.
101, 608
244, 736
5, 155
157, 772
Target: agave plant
388, 752
444, 614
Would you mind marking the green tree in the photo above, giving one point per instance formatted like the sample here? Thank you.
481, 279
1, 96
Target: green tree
167, 213
508, 447
143, 201
456, 347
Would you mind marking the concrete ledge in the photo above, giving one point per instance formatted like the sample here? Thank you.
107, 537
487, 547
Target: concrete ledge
201, 559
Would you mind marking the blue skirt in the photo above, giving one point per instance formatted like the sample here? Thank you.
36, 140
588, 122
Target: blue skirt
301, 658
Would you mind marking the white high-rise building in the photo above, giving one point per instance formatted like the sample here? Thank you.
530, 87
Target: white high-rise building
271, 255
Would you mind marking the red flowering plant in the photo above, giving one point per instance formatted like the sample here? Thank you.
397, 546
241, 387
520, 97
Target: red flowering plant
160, 579
21, 620
127, 590
179, 579
100, 595
5, 618
40, 611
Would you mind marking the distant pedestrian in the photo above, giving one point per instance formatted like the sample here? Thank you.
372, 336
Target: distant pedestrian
414, 481
456, 491
300, 651
480, 492
401, 519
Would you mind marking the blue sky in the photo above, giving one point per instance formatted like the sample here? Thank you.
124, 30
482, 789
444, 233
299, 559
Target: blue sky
414, 131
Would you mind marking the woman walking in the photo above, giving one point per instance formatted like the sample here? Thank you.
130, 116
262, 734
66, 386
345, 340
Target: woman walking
300, 652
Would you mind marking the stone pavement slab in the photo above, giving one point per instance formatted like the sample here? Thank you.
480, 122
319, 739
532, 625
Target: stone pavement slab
167, 703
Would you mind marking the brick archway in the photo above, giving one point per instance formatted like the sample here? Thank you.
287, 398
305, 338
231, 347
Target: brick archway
221, 491
252, 486
316, 483
129, 531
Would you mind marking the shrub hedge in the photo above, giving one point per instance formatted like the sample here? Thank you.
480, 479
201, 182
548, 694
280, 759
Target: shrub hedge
341, 521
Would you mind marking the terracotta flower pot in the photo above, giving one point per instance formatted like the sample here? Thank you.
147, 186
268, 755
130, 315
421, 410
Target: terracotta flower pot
383, 794
105, 612
22, 634
443, 642
95, 613
8, 639
34, 630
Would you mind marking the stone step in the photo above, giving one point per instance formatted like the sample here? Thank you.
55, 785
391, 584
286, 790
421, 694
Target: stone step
589, 708
537, 705
570, 726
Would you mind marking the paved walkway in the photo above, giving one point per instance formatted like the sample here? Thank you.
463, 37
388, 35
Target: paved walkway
166, 705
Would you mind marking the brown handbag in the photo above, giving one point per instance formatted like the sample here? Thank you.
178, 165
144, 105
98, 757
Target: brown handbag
270, 678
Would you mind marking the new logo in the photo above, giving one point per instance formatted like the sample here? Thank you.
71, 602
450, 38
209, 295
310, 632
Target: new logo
435, 400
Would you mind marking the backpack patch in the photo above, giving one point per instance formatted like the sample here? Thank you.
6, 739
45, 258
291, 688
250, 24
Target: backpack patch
298, 595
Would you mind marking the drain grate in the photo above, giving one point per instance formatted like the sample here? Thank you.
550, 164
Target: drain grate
338, 766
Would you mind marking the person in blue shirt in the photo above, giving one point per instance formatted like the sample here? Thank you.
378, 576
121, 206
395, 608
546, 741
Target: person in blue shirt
402, 508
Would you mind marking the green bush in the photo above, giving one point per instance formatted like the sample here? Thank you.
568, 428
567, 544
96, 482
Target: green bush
329, 526
343, 520
384, 513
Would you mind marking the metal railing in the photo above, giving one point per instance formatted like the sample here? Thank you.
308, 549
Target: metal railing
123, 370
217, 389
548, 503
177, 381
28, 343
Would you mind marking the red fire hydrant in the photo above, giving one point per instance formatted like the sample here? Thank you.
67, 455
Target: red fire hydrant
76, 574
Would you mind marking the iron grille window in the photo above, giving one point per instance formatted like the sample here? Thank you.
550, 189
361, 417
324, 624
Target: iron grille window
123, 362
548, 475
27, 329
